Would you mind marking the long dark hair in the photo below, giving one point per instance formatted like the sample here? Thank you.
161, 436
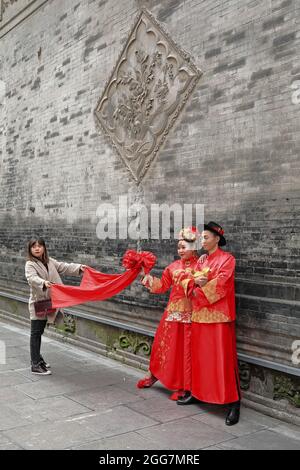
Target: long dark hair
40, 241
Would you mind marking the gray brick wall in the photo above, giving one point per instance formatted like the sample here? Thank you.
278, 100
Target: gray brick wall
236, 148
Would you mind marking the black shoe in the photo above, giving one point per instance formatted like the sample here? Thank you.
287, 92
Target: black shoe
186, 399
232, 417
39, 369
44, 363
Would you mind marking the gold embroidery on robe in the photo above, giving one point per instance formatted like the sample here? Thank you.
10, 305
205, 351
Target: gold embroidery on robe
194, 275
210, 291
182, 317
203, 273
155, 284
164, 344
185, 284
181, 310
181, 305
206, 315
178, 273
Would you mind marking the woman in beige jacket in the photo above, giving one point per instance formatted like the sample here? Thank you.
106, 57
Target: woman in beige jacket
41, 271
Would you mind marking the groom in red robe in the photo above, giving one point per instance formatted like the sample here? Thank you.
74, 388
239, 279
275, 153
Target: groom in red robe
215, 376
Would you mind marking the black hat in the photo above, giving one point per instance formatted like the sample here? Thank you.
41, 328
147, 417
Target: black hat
217, 230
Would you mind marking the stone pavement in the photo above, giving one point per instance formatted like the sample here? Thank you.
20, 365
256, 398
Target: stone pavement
91, 402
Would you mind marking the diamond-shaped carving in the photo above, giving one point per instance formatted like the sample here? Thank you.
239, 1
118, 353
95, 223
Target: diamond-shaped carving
145, 94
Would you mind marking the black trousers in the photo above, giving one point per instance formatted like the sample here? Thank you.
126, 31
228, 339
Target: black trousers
236, 404
37, 329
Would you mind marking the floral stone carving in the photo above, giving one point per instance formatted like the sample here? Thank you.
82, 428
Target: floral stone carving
4, 4
145, 94
69, 323
287, 388
134, 343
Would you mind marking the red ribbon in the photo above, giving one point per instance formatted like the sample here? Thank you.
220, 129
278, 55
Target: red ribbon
100, 286
219, 230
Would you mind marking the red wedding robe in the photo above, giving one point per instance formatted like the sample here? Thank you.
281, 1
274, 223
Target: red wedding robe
170, 360
213, 345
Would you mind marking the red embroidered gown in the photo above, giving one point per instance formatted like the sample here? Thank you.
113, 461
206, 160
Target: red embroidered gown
215, 376
170, 360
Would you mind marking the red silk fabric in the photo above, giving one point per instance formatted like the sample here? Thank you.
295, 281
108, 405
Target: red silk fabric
215, 377
100, 286
170, 360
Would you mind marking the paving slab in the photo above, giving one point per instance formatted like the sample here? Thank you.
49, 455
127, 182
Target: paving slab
127, 441
104, 397
164, 410
52, 436
185, 433
114, 421
216, 419
262, 440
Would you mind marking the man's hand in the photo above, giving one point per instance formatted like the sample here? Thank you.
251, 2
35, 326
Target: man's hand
47, 284
201, 281
202, 258
82, 267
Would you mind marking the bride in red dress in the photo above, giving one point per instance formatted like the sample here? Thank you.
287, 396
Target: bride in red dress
170, 361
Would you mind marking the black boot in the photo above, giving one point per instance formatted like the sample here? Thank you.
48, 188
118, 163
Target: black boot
233, 414
186, 399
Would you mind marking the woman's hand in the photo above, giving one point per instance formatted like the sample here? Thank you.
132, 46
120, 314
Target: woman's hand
142, 274
82, 267
47, 284
201, 281
147, 280
202, 258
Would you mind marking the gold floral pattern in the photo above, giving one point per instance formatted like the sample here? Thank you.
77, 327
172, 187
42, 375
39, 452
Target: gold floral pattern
179, 308
164, 344
184, 280
181, 311
178, 273
155, 284
182, 317
184, 285
206, 315
210, 291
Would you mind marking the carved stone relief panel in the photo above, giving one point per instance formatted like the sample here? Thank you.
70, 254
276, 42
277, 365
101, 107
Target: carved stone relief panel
134, 343
8, 8
287, 388
4, 4
12, 12
149, 86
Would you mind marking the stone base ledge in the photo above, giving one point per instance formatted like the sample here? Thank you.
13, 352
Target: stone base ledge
279, 410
